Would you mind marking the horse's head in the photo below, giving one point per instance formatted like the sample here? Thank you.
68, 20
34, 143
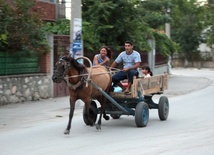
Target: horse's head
60, 70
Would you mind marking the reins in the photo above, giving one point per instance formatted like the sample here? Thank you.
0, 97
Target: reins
73, 76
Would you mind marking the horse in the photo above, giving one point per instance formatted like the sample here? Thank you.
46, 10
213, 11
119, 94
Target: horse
80, 87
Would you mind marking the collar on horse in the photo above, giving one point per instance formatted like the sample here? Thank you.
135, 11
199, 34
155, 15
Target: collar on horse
82, 80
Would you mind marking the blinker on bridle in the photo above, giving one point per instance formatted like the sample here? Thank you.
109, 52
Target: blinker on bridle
65, 64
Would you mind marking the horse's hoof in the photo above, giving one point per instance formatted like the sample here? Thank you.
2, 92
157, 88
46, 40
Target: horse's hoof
98, 127
91, 122
106, 117
66, 132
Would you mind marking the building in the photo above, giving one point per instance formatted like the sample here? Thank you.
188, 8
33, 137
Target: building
30, 85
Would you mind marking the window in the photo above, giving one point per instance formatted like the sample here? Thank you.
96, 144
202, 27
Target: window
53, 1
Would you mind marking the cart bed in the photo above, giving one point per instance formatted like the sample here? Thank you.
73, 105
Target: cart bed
146, 86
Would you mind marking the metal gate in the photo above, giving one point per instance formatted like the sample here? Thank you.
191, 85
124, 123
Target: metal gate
61, 43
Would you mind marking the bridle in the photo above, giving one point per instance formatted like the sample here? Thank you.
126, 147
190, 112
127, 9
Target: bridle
84, 76
66, 67
82, 79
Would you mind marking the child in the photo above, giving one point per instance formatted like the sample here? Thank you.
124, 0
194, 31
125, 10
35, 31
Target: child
146, 71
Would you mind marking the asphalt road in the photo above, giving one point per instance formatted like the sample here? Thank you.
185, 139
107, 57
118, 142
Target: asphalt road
37, 127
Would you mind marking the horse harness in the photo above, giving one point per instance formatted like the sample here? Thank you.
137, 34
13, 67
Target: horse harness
82, 77
79, 84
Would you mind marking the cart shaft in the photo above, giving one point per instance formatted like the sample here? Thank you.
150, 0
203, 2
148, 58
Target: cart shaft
110, 98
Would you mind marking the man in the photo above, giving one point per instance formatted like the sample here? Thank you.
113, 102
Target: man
131, 62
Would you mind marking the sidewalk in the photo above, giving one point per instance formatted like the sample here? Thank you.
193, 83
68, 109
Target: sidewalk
180, 84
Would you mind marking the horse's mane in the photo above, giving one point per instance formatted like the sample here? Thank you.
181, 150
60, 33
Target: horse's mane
78, 66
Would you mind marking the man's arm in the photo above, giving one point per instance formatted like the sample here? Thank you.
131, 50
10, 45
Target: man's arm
137, 64
114, 64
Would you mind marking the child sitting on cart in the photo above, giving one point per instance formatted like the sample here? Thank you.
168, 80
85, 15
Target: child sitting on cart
146, 71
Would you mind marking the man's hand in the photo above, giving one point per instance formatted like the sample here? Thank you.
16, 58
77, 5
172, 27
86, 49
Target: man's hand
125, 69
113, 65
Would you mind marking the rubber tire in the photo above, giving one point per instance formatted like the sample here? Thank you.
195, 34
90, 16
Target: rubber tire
93, 112
141, 114
163, 108
115, 116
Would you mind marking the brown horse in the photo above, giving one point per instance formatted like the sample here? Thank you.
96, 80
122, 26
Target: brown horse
80, 87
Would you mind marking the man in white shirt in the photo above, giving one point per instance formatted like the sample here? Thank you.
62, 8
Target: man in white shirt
131, 61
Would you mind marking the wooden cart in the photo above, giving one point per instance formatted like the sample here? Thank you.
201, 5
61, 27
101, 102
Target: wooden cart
138, 102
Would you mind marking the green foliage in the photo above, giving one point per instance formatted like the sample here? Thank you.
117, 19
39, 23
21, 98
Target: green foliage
3, 40
114, 22
187, 25
165, 45
209, 22
21, 24
154, 13
60, 26
91, 43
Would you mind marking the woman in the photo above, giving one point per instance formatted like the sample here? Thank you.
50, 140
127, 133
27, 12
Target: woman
146, 71
103, 58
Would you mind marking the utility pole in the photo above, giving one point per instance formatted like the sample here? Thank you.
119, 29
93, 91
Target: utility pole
76, 43
167, 31
167, 25
151, 55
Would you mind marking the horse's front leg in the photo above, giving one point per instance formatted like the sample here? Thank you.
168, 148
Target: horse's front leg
72, 105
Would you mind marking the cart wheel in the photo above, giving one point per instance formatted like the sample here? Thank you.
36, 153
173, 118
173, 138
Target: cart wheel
115, 116
92, 113
163, 108
141, 114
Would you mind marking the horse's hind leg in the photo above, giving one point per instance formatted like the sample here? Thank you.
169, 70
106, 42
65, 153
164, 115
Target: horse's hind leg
98, 126
87, 114
105, 101
105, 116
102, 111
72, 104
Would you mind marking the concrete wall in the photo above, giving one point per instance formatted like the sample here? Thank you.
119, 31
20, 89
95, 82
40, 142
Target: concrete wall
161, 69
197, 64
21, 88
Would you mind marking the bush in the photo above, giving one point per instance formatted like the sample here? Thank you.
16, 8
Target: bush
21, 27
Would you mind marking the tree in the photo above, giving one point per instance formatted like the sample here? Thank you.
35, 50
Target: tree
60, 26
114, 22
209, 22
20, 27
187, 26
154, 14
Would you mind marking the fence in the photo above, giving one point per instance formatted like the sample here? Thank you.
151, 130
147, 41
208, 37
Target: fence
11, 63
199, 60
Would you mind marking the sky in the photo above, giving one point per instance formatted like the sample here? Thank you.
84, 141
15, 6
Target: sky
68, 9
